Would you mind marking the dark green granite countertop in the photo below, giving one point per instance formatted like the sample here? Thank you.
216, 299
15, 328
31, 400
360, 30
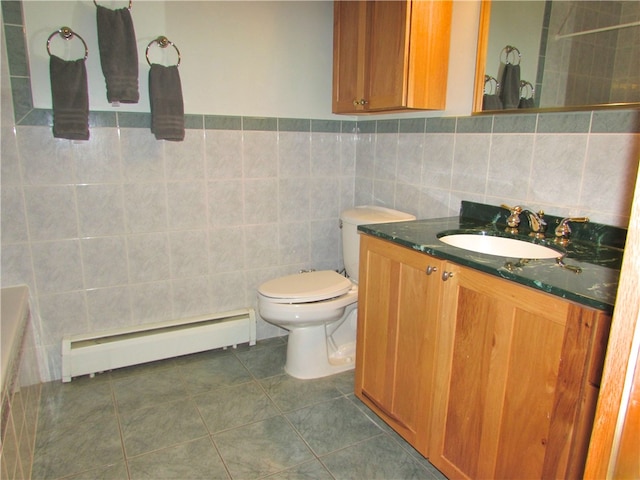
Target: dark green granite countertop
595, 251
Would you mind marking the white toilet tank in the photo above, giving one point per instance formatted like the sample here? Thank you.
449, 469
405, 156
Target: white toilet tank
363, 215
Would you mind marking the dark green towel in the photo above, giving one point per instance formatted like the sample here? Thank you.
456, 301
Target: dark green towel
70, 98
167, 107
510, 86
118, 54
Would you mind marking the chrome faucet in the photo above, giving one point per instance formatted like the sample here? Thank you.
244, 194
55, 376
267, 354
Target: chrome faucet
563, 231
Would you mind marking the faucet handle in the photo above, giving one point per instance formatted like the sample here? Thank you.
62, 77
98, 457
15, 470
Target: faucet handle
514, 218
563, 230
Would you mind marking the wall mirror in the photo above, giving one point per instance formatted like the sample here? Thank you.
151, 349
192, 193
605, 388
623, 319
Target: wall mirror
557, 55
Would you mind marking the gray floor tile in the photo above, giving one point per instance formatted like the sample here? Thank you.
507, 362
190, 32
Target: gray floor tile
264, 362
376, 458
213, 372
194, 460
109, 472
158, 386
290, 393
344, 381
261, 448
151, 428
75, 402
235, 406
307, 471
332, 425
77, 447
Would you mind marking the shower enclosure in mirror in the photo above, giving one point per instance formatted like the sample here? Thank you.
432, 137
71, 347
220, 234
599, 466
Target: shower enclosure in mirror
558, 55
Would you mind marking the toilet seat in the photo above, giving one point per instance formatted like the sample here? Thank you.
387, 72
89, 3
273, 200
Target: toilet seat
305, 287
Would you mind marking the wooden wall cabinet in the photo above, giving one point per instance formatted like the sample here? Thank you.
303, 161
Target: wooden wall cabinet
390, 55
503, 378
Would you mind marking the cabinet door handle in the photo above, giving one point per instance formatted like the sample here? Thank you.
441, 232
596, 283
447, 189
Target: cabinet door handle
431, 269
362, 101
446, 276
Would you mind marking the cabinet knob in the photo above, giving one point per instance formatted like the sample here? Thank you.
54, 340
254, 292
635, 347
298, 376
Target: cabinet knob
362, 101
446, 276
431, 269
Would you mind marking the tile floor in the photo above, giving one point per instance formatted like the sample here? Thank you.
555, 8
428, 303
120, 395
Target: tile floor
225, 414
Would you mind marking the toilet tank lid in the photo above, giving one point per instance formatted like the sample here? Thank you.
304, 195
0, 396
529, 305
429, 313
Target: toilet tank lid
369, 214
306, 287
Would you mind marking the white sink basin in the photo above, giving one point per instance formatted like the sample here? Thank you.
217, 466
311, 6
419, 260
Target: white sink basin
500, 246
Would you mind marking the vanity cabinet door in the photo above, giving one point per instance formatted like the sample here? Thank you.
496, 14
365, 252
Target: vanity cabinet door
397, 333
514, 380
390, 55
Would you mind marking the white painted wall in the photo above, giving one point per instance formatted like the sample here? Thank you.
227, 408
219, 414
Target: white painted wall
252, 58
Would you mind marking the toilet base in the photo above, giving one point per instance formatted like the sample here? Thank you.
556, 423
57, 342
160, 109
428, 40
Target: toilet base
307, 351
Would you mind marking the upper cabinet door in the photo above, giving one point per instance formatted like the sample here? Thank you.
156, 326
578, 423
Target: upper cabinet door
390, 55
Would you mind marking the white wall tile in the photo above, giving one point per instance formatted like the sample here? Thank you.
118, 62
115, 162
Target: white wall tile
100, 209
57, 266
187, 205
145, 207
260, 201
223, 154
109, 308
148, 257
142, 155
325, 154
294, 154
189, 253
13, 221
226, 249
98, 160
556, 174
225, 203
185, 160
105, 261
259, 154
51, 212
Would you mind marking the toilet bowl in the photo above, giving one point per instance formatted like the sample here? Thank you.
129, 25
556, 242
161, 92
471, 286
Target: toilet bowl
319, 308
321, 321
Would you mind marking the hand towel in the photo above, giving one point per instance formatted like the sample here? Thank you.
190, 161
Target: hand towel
70, 98
118, 54
510, 86
167, 107
491, 102
527, 103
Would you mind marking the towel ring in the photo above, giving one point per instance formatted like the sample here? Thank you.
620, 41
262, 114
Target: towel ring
163, 42
526, 87
494, 85
130, 3
508, 51
67, 34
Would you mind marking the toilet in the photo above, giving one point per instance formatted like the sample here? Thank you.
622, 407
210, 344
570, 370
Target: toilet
319, 308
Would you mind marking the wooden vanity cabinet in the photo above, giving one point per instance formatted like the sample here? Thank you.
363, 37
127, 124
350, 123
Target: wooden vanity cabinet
485, 377
398, 313
390, 55
517, 380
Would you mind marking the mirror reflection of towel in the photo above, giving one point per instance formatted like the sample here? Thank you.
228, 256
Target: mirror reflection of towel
118, 54
70, 98
526, 103
167, 107
491, 102
510, 91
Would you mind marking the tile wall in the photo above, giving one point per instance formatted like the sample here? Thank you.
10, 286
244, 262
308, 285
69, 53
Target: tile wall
124, 230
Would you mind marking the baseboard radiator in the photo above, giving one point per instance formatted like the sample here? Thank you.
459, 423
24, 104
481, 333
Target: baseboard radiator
100, 352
